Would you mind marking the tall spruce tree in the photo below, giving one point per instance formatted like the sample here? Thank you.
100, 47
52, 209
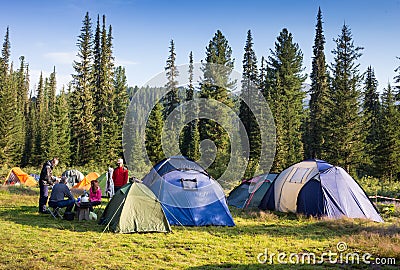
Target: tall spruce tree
120, 105
83, 140
39, 154
318, 95
30, 133
172, 97
106, 118
62, 126
344, 144
248, 98
215, 84
389, 147
371, 113
397, 81
52, 135
285, 78
154, 127
191, 137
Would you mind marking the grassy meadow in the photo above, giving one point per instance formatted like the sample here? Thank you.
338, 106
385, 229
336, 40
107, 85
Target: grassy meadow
33, 241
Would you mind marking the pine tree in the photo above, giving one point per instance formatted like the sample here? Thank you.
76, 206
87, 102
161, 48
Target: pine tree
105, 117
397, 80
344, 143
172, 98
120, 105
191, 137
30, 133
52, 143
82, 117
285, 80
371, 113
154, 127
215, 85
247, 103
39, 154
389, 147
318, 95
13, 119
61, 125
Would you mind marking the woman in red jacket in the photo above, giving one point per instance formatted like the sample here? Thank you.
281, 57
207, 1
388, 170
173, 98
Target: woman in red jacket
120, 175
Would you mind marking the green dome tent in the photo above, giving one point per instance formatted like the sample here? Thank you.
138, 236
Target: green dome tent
134, 208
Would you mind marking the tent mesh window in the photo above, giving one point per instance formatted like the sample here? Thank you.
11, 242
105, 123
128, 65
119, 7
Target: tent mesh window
12, 179
299, 175
189, 183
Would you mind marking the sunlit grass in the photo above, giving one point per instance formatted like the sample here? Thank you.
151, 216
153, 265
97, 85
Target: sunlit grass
33, 241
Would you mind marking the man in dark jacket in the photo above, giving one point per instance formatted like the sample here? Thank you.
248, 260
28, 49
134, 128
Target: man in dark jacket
58, 193
46, 180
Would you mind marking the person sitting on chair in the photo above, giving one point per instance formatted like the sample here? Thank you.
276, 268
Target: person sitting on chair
94, 194
61, 190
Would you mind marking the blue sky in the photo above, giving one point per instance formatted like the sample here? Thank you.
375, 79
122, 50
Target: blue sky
46, 31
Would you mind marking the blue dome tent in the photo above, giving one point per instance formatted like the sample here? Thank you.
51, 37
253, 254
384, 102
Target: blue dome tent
317, 188
189, 196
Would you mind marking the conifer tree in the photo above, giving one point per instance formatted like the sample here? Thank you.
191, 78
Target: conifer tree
39, 123
397, 80
318, 95
61, 125
13, 119
120, 105
344, 143
30, 133
371, 113
248, 99
172, 97
191, 137
82, 117
154, 127
284, 78
216, 84
389, 147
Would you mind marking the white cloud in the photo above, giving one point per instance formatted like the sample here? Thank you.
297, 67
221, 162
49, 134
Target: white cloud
61, 57
121, 62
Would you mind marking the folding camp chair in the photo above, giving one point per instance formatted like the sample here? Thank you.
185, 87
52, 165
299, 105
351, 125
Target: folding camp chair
55, 212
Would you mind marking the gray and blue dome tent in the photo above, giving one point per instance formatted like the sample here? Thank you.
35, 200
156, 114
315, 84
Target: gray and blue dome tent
251, 191
188, 195
317, 188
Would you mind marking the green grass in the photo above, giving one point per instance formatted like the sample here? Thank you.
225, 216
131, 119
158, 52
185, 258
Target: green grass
33, 241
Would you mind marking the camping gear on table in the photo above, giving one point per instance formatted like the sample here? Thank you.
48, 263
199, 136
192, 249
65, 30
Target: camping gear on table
188, 194
316, 188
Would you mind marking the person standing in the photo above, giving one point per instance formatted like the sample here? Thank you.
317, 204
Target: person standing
120, 175
46, 180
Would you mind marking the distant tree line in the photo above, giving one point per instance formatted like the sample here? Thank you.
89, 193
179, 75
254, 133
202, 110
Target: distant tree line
345, 122
82, 123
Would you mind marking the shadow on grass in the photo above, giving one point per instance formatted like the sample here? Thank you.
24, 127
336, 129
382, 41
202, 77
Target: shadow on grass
29, 216
271, 224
